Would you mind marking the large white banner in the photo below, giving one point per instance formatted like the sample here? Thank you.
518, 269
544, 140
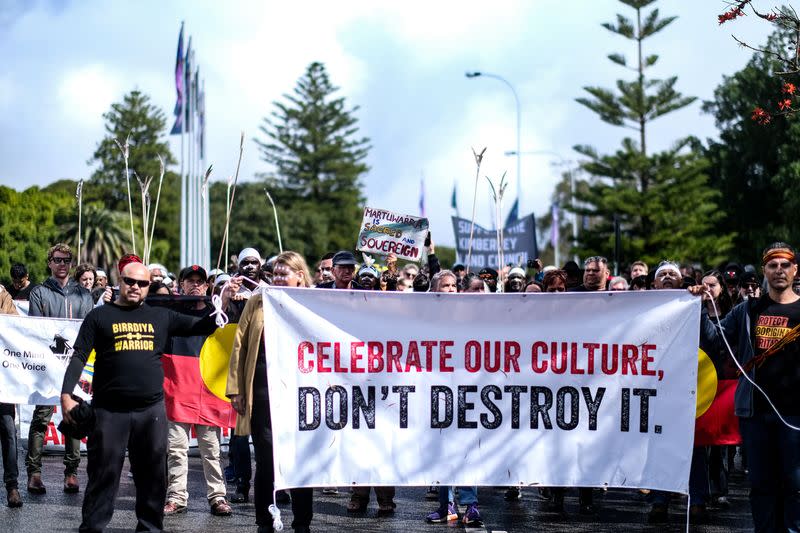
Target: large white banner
575, 389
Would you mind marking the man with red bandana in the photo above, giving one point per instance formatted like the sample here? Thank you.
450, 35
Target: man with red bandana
766, 331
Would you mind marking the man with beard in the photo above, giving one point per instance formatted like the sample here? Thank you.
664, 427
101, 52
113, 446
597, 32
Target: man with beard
595, 275
516, 280
129, 338
344, 268
765, 330
250, 267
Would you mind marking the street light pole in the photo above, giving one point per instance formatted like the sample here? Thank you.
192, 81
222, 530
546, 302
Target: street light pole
563, 163
477, 74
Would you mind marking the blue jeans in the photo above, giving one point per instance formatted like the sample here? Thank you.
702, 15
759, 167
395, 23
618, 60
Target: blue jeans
466, 496
698, 480
773, 453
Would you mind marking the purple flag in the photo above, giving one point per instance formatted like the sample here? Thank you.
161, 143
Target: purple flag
177, 128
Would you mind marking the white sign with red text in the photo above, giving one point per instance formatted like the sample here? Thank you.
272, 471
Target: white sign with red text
575, 389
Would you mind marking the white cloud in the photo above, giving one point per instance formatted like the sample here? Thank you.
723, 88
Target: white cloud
86, 92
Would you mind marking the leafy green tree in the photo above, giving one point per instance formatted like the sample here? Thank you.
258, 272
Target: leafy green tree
756, 167
29, 223
145, 124
311, 140
105, 235
662, 200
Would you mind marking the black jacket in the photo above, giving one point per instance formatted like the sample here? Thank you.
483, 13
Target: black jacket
51, 300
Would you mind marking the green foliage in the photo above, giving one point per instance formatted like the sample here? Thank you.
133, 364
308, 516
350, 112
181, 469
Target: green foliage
29, 223
311, 141
146, 125
755, 167
663, 202
105, 235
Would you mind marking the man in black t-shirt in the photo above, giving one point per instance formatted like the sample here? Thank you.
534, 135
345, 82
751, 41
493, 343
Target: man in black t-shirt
128, 337
767, 333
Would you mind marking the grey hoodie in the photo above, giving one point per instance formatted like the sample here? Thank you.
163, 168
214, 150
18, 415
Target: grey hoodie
51, 300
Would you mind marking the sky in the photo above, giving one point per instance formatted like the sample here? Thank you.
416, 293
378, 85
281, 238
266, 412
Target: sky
401, 63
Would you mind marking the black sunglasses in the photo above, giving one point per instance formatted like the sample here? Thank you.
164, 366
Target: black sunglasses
61, 260
130, 282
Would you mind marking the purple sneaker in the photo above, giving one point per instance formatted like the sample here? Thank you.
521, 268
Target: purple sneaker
472, 517
443, 515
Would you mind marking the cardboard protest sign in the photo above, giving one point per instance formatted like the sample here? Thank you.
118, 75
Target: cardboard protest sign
384, 232
576, 389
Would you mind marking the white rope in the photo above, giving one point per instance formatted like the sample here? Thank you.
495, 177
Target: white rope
216, 301
277, 525
739, 366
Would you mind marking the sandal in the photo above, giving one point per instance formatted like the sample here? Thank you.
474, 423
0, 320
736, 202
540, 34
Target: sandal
356, 506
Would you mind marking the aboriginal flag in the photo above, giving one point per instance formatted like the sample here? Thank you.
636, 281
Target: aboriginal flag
716, 424
195, 377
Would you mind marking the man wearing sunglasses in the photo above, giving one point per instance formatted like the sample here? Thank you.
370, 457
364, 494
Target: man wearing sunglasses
58, 297
129, 338
766, 331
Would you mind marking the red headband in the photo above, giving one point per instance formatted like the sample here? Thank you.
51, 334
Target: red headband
778, 253
126, 260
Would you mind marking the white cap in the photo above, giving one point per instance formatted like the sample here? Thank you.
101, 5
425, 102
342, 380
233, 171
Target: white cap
101, 273
215, 272
249, 252
516, 271
221, 279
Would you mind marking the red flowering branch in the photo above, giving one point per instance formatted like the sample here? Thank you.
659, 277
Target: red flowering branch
783, 17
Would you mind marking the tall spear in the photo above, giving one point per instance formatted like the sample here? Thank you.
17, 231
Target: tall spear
155, 211
227, 214
478, 159
79, 196
126, 154
277, 226
230, 203
144, 184
497, 195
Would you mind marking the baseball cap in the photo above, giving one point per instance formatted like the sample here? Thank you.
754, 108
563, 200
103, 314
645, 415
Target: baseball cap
194, 269
344, 258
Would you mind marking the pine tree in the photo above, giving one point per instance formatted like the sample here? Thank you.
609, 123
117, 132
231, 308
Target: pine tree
662, 200
146, 125
318, 158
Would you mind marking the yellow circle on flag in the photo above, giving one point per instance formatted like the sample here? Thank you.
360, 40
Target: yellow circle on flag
215, 356
706, 382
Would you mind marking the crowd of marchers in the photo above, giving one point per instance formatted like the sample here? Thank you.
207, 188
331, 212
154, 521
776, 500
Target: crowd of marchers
739, 301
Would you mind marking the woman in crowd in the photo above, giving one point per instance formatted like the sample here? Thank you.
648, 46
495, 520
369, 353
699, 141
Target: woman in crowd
247, 389
718, 455
555, 281
446, 281
85, 275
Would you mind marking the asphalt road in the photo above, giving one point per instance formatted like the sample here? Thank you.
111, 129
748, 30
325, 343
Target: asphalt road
616, 511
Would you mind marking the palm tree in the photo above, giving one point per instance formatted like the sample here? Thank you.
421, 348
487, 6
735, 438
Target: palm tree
104, 236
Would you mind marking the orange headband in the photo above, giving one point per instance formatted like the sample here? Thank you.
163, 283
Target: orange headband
778, 253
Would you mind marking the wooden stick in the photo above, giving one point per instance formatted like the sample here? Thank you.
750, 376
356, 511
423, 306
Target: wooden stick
478, 159
230, 204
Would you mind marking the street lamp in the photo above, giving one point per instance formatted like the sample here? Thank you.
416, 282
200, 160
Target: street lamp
477, 74
566, 164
